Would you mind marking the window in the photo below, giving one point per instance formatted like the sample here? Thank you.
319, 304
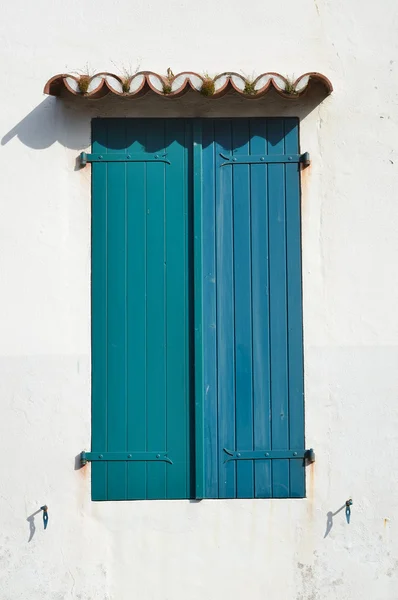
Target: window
197, 361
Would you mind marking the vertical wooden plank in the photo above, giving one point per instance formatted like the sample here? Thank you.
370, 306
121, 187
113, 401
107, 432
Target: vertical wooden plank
243, 308
156, 309
190, 287
176, 290
98, 311
117, 321
190, 306
136, 308
260, 303
294, 310
198, 277
225, 312
211, 451
278, 310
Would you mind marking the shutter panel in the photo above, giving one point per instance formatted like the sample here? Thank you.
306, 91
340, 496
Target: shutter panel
141, 314
252, 310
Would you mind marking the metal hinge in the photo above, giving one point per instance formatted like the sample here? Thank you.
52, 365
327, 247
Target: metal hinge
308, 455
260, 159
130, 157
130, 456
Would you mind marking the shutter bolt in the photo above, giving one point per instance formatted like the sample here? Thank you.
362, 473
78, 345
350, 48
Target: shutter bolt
100, 158
294, 453
267, 454
129, 456
290, 157
238, 454
262, 158
100, 456
158, 456
128, 156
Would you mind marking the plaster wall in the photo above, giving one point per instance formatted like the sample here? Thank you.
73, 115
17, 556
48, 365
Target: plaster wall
277, 549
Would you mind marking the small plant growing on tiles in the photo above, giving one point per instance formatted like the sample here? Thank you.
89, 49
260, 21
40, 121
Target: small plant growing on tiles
83, 83
127, 74
208, 87
289, 87
167, 83
85, 76
249, 88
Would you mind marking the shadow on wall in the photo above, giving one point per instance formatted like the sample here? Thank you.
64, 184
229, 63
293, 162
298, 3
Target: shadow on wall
65, 119
32, 525
78, 462
329, 520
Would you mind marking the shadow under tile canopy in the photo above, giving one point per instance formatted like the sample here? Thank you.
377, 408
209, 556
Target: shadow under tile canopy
65, 116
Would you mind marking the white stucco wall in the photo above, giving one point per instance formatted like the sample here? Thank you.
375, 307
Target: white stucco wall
210, 550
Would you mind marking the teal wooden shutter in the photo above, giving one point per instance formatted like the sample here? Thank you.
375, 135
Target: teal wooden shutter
141, 309
253, 406
246, 438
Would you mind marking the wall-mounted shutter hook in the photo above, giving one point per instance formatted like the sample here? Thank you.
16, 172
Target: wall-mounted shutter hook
348, 505
45, 515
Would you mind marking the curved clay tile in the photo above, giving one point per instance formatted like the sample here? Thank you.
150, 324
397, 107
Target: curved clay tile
101, 84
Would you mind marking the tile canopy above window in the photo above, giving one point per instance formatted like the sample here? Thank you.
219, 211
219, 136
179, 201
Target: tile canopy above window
174, 86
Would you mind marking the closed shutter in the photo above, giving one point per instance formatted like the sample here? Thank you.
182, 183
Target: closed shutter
253, 406
197, 357
141, 309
